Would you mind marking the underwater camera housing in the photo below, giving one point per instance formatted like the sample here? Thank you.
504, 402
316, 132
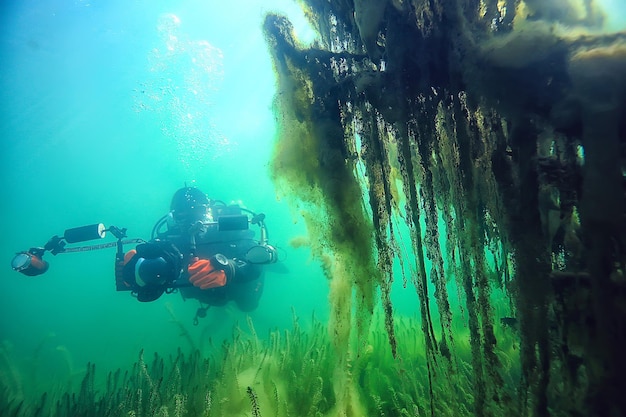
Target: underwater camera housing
152, 271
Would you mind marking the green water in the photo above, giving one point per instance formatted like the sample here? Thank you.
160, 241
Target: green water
107, 108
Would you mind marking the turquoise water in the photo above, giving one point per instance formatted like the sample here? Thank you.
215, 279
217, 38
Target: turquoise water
615, 12
107, 108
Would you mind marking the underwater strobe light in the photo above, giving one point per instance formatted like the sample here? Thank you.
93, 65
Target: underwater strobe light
31, 262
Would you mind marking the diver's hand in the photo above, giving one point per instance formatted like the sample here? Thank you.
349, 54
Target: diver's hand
129, 255
120, 266
204, 275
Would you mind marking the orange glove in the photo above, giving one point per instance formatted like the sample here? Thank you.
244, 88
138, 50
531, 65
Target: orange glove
129, 255
119, 270
203, 275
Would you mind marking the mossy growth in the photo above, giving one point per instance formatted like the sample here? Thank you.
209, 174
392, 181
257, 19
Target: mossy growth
478, 110
310, 167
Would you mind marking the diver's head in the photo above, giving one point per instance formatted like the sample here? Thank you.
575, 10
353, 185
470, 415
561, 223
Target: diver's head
189, 205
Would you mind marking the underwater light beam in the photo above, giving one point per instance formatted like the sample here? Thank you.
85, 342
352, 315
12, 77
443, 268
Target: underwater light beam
615, 14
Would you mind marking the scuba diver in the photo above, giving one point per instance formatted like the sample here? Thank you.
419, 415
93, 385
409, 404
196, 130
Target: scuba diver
203, 248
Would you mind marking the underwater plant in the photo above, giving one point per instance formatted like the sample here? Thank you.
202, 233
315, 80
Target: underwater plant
489, 133
287, 373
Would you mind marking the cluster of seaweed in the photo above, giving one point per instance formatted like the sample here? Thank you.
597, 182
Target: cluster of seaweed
283, 375
289, 373
491, 134
21, 380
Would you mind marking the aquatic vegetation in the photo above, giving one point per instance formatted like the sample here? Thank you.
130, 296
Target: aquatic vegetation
22, 380
478, 112
11, 390
288, 373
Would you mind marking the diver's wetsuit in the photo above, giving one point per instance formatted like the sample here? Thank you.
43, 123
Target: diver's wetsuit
244, 288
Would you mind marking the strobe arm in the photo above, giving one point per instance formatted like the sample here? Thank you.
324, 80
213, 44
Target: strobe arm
31, 262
